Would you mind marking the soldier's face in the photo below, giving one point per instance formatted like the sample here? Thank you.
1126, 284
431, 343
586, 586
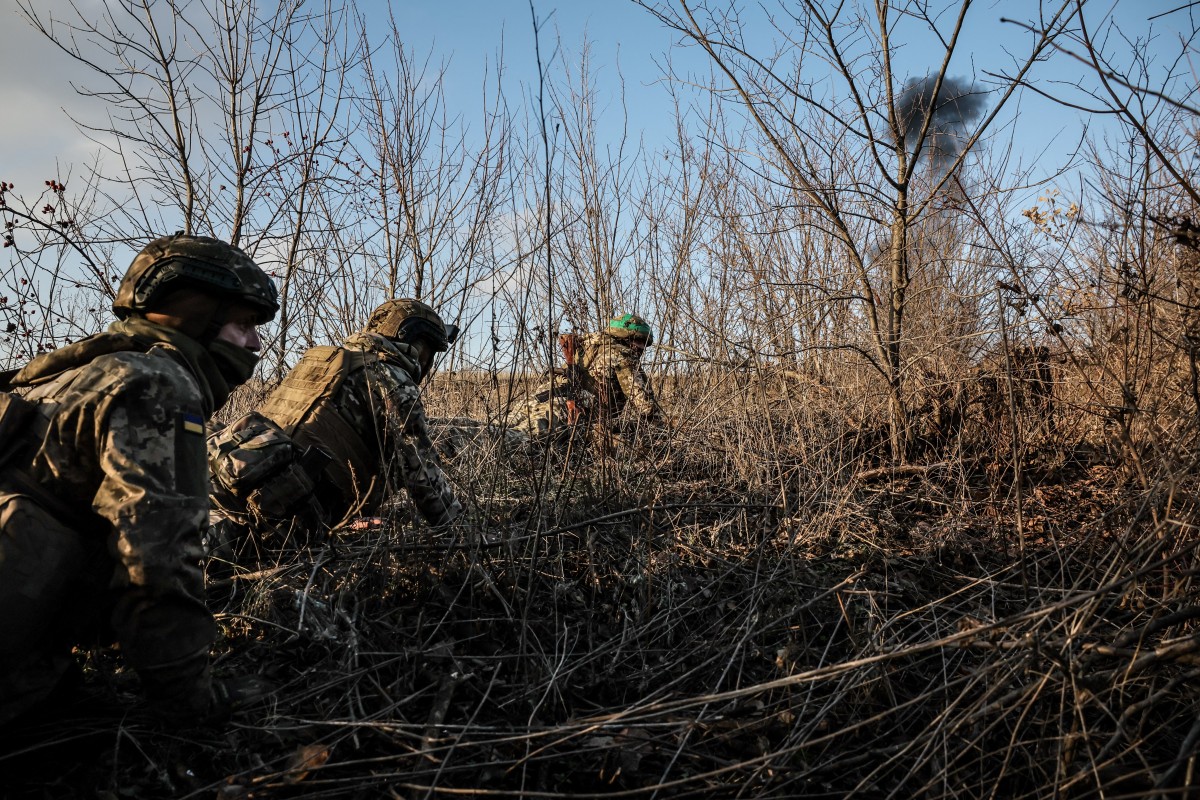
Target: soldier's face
425, 354
241, 328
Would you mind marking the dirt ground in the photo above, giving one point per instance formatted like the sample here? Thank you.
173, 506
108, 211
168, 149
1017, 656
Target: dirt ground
711, 610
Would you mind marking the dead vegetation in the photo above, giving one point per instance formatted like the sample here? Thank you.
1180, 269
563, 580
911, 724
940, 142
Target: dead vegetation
923, 523
743, 606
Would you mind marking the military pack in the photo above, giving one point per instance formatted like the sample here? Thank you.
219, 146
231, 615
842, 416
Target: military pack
15, 415
260, 472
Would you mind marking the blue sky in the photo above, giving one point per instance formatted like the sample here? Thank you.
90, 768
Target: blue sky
630, 48
37, 142
470, 34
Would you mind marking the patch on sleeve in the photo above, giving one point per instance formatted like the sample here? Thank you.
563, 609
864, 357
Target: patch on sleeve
192, 423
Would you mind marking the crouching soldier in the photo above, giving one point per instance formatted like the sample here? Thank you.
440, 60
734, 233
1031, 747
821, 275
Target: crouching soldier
104, 484
353, 419
603, 378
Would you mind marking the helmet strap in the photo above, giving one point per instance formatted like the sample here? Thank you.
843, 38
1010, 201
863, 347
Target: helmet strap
216, 321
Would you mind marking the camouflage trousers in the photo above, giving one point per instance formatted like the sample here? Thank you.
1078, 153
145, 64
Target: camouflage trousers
558, 411
52, 586
454, 437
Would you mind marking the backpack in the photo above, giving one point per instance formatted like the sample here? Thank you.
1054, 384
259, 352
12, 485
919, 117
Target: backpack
260, 472
15, 414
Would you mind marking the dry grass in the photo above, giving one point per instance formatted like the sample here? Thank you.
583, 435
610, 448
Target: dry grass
745, 606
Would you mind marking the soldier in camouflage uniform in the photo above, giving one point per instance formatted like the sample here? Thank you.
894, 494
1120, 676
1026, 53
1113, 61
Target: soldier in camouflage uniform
603, 377
104, 486
360, 404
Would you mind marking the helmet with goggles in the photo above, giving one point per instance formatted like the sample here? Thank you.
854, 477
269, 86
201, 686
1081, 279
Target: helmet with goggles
408, 319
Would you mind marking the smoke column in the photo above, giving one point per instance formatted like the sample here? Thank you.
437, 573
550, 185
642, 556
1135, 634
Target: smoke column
957, 104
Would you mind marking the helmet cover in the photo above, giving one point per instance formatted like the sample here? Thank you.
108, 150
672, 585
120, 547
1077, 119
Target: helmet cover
406, 318
630, 326
202, 263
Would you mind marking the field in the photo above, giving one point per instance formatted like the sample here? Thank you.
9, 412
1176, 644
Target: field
743, 604
924, 286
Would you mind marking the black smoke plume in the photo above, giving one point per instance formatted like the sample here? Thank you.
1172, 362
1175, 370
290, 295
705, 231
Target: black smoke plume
958, 103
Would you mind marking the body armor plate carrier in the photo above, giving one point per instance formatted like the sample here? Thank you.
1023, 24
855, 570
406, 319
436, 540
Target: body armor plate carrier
303, 405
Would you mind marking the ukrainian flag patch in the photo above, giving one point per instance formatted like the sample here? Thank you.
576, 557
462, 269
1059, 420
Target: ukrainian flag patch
193, 423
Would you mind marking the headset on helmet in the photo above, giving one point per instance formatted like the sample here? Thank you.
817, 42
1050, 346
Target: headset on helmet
630, 326
197, 262
406, 318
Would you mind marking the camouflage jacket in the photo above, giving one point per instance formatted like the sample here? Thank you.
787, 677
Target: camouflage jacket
361, 404
116, 454
611, 370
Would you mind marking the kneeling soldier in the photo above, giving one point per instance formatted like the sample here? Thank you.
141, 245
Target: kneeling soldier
355, 422
104, 486
603, 377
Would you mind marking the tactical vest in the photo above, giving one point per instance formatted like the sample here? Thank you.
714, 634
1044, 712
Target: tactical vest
303, 406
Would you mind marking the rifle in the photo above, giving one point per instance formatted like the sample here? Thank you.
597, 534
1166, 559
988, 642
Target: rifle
568, 342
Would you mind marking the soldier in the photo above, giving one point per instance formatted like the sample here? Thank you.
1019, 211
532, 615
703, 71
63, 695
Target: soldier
104, 486
358, 404
603, 376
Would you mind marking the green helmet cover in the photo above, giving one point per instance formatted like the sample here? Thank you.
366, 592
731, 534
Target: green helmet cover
630, 326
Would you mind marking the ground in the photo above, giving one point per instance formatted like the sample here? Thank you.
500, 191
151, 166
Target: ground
648, 617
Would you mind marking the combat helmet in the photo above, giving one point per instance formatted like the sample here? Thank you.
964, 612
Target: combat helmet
202, 263
406, 318
630, 326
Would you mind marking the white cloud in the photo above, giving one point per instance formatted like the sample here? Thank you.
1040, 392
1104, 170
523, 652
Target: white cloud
38, 141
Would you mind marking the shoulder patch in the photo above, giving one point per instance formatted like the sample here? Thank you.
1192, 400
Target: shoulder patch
192, 423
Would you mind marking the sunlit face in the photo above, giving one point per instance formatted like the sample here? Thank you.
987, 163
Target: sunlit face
241, 328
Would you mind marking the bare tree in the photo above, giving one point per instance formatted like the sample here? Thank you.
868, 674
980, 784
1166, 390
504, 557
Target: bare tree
145, 70
597, 191
223, 118
56, 284
436, 181
868, 152
1127, 273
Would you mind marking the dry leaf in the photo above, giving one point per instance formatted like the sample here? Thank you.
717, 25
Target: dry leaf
307, 757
